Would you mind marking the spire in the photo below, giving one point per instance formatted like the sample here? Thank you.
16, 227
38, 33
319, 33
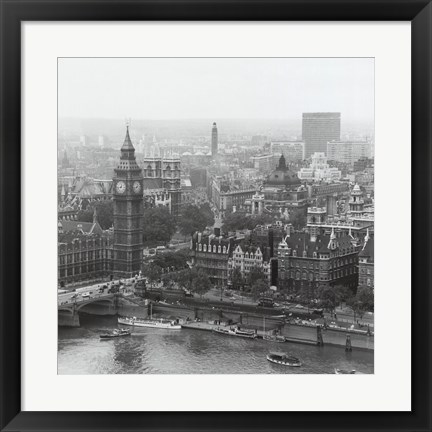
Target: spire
95, 215
127, 144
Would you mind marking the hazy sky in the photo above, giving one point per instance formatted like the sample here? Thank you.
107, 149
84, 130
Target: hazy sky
213, 88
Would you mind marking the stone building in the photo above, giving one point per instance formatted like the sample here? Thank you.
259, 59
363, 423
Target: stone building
366, 263
307, 261
162, 183
245, 257
211, 254
84, 256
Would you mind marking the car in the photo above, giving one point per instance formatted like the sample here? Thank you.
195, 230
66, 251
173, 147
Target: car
74, 296
86, 295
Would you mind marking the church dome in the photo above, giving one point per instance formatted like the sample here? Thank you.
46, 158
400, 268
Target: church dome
282, 176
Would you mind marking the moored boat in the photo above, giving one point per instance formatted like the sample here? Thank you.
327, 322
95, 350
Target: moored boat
344, 371
116, 333
283, 359
274, 338
152, 323
249, 334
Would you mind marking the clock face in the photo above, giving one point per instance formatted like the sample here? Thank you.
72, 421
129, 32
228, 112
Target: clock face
121, 187
136, 187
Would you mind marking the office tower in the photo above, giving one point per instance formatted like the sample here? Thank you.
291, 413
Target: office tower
318, 129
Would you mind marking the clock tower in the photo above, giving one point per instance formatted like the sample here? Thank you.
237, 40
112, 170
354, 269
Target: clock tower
128, 211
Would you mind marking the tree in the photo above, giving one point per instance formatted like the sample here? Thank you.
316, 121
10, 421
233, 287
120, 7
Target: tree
200, 282
327, 297
159, 225
365, 295
298, 219
193, 218
239, 221
356, 306
237, 279
153, 273
255, 274
258, 288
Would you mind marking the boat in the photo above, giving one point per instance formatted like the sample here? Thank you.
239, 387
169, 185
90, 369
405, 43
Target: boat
271, 337
344, 371
116, 333
274, 338
249, 334
149, 322
283, 359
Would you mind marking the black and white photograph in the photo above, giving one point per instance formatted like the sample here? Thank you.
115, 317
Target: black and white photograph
215, 215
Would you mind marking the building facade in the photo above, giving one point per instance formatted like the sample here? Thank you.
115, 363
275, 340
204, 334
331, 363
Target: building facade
366, 263
128, 211
348, 151
211, 253
318, 129
319, 170
84, 256
293, 151
307, 262
162, 182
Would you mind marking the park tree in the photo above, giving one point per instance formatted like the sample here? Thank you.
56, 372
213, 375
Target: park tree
365, 295
256, 273
193, 218
153, 273
237, 279
239, 221
200, 282
327, 298
258, 288
159, 225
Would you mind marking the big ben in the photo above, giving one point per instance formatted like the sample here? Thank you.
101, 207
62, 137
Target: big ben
128, 211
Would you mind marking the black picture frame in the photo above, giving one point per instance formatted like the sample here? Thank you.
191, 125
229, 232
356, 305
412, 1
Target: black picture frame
13, 13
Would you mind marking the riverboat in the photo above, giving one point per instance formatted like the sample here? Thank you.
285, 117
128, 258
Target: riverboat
283, 359
116, 333
248, 334
344, 372
152, 323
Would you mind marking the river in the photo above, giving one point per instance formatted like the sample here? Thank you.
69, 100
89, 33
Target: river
157, 351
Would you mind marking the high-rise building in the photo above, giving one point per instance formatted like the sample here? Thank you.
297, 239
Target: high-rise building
128, 211
318, 129
214, 140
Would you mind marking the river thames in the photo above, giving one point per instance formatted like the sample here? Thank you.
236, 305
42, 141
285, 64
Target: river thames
159, 351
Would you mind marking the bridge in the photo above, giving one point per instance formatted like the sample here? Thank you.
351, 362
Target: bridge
68, 310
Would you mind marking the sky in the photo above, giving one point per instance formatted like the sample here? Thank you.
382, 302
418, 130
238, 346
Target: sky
210, 88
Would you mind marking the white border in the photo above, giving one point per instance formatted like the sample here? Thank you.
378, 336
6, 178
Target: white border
389, 43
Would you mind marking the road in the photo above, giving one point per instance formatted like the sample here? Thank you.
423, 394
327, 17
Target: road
92, 290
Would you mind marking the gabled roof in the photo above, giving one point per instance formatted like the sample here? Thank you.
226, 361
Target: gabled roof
84, 227
301, 242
